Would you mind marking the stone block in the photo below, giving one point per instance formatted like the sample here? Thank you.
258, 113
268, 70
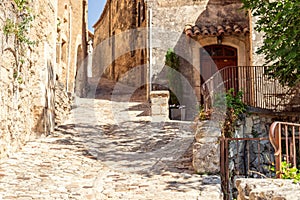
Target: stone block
206, 140
206, 158
248, 125
267, 189
159, 105
206, 149
207, 129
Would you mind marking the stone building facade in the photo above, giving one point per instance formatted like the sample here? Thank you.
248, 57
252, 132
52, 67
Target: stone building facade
120, 39
209, 36
164, 23
71, 53
33, 96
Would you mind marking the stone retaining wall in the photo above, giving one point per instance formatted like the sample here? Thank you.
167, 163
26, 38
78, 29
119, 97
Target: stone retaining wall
267, 189
251, 158
206, 149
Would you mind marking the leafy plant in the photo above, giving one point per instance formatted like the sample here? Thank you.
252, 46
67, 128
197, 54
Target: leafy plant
288, 172
172, 61
18, 28
234, 107
279, 21
232, 104
203, 114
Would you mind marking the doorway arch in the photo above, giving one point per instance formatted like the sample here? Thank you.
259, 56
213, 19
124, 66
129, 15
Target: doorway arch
222, 59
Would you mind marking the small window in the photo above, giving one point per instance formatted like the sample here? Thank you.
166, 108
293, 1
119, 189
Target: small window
229, 52
139, 14
217, 52
143, 11
64, 51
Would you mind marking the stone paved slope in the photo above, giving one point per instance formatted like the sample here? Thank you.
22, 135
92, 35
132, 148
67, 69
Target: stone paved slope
105, 153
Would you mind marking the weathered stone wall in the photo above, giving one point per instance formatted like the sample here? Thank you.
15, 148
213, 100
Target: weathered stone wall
26, 108
253, 158
72, 44
206, 148
256, 42
267, 189
63, 103
36, 102
120, 43
168, 21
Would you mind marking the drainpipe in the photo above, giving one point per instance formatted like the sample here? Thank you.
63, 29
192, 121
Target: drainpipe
150, 50
69, 48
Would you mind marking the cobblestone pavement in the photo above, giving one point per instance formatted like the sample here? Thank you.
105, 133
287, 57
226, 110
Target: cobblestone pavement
104, 151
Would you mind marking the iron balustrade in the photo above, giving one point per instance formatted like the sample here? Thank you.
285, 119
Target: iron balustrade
285, 139
248, 168
259, 90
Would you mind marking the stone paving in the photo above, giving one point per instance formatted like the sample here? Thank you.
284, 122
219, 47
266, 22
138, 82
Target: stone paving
104, 151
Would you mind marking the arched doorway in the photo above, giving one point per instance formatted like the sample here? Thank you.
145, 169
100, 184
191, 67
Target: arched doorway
222, 59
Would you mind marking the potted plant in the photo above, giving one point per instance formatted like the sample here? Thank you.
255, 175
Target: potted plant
174, 84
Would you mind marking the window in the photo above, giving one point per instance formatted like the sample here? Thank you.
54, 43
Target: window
218, 51
64, 51
139, 14
143, 11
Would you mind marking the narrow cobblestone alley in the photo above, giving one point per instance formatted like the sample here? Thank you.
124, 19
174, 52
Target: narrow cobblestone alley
105, 151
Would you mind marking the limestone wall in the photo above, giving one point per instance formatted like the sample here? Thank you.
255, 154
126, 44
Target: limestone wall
37, 101
26, 106
253, 158
168, 20
72, 41
257, 41
267, 189
206, 148
120, 43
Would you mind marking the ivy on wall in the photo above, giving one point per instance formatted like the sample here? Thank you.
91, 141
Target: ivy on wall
18, 27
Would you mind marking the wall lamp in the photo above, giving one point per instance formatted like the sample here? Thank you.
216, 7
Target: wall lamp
219, 39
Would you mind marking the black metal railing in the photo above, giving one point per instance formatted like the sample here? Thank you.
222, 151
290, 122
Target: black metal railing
259, 90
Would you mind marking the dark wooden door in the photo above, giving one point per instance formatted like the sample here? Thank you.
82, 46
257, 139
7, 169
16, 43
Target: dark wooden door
222, 59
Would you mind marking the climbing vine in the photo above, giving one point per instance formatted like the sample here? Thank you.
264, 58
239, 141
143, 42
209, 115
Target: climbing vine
18, 27
233, 102
234, 108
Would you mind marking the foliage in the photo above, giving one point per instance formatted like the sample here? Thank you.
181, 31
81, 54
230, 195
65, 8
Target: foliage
203, 115
287, 172
234, 107
172, 61
279, 21
18, 28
